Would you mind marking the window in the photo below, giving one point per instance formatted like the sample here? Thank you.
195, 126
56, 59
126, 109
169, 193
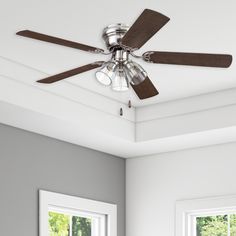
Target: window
222, 225
63, 215
206, 217
67, 222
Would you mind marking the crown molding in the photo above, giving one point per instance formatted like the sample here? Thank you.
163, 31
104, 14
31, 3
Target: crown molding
76, 115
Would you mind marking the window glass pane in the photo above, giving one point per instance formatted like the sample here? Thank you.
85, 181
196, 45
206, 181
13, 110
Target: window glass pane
81, 226
212, 226
233, 225
59, 224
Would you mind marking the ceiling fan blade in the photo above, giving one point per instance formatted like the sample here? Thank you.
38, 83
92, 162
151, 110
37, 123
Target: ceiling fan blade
147, 24
55, 40
191, 59
145, 89
69, 73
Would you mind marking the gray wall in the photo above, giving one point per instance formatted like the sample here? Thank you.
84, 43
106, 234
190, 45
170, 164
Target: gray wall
29, 162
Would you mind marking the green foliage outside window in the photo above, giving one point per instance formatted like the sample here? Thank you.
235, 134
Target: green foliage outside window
216, 225
81, 226
59, 225
232, 225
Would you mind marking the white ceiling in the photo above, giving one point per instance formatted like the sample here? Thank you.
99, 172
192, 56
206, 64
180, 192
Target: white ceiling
195, 26
81, 111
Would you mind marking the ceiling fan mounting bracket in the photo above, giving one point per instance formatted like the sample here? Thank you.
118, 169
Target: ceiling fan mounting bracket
147, 56
113, 34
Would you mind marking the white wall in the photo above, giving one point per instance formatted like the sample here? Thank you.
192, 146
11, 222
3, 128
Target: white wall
154, 184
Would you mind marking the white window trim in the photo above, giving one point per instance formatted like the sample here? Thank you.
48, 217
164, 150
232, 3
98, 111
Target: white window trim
50, 200
187, 210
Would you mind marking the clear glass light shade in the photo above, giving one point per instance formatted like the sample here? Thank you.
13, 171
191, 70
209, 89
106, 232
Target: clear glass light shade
106, 73
135, 73
120, 82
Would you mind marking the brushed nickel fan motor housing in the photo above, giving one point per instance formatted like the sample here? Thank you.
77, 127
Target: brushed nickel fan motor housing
112, 34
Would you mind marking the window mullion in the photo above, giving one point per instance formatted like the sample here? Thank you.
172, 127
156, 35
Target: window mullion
94, 227
194, 226
70, 225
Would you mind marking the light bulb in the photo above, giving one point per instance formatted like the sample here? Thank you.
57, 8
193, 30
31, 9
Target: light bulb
106, 73
135, 73
119, 81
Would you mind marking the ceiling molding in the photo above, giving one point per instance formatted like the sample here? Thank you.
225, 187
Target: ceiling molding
22, 74
75, 115
81, 125
202, 121
41, 101
79, 134
185, 106
44, 74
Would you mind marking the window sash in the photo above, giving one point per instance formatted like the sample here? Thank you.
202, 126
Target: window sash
98, 221
188, 210
103, 215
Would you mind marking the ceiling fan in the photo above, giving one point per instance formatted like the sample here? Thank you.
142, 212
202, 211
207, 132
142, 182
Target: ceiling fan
120, 71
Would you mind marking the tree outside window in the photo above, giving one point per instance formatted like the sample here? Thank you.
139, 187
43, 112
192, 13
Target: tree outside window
68, 225
219, 225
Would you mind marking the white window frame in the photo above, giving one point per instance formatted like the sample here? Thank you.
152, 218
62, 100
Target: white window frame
101, 211
187, 211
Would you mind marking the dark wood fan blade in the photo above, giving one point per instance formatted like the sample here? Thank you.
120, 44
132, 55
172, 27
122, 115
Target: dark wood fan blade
69, 73
146, 89
147, 24
191, 59
55, 40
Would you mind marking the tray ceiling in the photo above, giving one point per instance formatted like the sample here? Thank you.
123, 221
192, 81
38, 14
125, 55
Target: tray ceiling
195, 26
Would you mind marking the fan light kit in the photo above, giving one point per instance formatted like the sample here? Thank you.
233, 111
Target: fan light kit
122, 41
120, 71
